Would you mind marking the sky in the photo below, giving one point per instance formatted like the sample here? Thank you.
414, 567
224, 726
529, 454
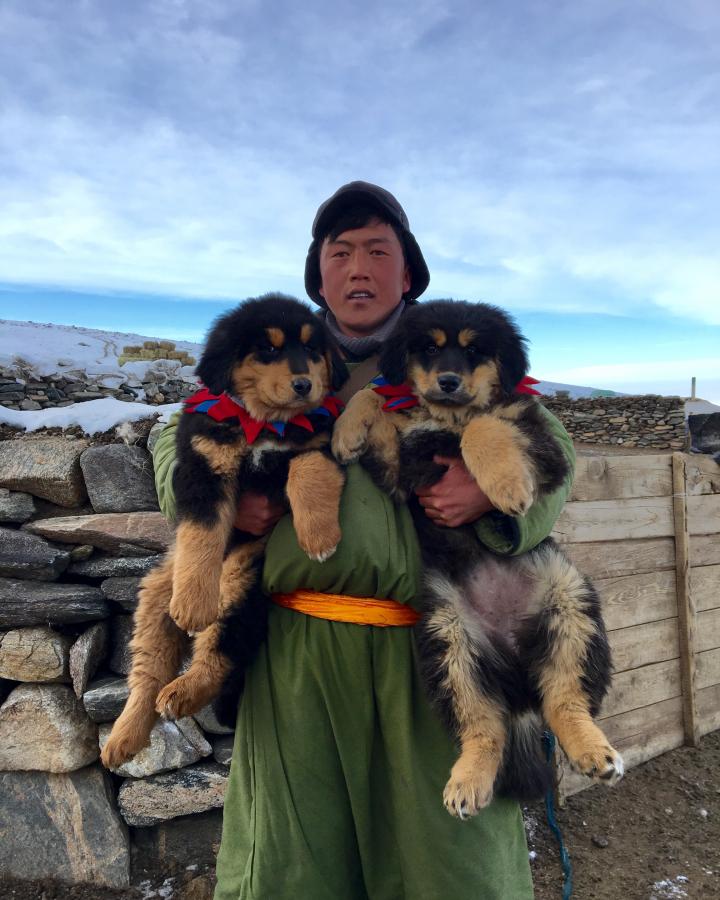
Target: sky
162, 159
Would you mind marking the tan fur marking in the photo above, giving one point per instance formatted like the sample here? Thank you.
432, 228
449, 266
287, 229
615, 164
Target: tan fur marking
223, 459
495, 452
483, 384
314, 488
276, 336
306, 332
439, 336
466, 337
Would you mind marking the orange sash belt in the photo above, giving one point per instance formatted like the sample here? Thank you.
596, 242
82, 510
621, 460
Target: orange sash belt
342, 608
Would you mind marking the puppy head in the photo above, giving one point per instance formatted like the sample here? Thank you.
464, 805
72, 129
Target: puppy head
455, 353
275, 355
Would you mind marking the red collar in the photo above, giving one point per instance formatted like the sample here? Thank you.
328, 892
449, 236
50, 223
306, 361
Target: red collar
400, 396
221, 407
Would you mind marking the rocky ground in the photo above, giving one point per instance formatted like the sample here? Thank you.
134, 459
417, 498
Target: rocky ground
656, 836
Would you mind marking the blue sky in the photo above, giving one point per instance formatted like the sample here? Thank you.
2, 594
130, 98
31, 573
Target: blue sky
161, 159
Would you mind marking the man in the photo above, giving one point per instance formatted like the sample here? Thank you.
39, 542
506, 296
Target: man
339, 762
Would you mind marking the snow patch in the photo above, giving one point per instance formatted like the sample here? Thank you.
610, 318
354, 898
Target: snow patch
669, 888
93, 416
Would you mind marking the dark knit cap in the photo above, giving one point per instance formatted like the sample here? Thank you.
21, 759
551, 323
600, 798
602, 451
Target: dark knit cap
389, 210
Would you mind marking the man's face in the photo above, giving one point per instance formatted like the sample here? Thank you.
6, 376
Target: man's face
363, 277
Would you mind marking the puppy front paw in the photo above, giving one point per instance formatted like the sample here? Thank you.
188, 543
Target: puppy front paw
348, 444
319, 541
512, 492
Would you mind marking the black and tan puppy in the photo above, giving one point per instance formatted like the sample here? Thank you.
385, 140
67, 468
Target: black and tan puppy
505, 642
262, 423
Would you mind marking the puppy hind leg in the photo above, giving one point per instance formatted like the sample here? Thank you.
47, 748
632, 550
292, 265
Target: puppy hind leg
570, 660
452, 662
156, 647
203, 680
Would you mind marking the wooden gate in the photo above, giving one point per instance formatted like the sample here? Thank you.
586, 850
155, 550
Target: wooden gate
646, 529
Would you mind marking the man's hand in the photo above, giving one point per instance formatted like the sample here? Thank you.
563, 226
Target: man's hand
256, 514
455, 499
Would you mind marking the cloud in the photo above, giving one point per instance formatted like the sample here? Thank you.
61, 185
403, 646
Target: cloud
547, 160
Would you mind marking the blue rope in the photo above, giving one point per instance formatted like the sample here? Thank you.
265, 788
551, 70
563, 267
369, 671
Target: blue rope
549, 739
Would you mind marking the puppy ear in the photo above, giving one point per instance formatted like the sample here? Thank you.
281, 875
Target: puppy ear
339, 373
394, 354
221, 351
512, 361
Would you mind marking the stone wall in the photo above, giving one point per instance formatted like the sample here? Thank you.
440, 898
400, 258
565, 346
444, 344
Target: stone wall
648, 420
25, 390
79, 527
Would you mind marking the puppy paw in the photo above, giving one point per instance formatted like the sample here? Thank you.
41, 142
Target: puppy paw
177, 699
119, 748
512, 494
601, 763
319, 542
468, 790
194, 617
348, 445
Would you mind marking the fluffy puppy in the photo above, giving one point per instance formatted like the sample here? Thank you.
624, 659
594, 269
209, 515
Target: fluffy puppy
504, 642
262, 423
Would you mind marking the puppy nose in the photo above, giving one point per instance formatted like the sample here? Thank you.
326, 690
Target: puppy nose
449, 383
302, 386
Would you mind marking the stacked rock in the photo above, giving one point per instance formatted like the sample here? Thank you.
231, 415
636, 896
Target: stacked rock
79, 527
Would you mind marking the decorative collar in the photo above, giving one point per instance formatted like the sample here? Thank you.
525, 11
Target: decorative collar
400, 396
222, 407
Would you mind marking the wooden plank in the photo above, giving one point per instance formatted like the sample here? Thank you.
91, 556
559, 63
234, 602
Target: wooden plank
639, 735
708, 668
704, 514
642, 645
703, 474
635, 599
685, 608
610, 559
615, 520
642, 687
613, 477
705, 586
709, 708
708, 630
705, 550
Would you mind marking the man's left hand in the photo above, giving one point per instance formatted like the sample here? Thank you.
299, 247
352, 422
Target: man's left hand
455, 499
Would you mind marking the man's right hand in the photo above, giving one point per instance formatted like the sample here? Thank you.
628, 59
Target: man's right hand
256, 514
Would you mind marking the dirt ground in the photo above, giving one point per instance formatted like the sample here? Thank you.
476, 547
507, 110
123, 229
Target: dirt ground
656, 836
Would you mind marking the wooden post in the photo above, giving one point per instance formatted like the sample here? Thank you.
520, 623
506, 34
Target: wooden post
686, 606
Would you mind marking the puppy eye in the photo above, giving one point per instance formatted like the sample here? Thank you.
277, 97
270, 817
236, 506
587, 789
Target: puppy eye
432, 349
269, 349
472, 350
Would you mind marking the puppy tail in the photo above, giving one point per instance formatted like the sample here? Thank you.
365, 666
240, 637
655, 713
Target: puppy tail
525, 774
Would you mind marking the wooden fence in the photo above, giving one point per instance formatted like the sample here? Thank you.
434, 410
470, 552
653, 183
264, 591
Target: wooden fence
646, 529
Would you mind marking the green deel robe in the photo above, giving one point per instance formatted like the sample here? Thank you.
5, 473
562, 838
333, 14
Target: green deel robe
339, 762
